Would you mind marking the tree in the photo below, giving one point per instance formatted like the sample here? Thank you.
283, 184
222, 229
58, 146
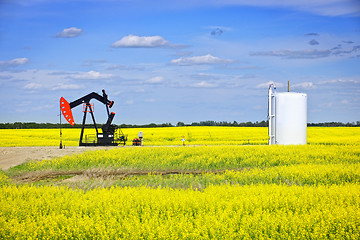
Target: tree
180, 124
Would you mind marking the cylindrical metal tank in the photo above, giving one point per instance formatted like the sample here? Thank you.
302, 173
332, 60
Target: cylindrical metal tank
290, 118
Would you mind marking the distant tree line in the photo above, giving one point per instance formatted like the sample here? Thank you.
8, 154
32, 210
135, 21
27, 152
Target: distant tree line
33, 125
335, 124
225, 124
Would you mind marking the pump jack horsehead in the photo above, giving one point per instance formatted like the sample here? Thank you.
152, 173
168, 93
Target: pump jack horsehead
111, 135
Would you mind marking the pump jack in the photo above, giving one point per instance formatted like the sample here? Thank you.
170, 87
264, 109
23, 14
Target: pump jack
111, 135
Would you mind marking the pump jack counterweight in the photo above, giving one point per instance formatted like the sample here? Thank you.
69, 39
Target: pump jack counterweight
111, 135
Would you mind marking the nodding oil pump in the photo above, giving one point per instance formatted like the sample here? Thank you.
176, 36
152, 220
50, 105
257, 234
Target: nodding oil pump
111, 135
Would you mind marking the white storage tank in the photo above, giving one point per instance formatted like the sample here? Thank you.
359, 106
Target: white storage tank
287, 117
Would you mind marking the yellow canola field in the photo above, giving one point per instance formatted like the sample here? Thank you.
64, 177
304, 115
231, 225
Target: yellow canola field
173, 136
202, 158
266, 192
218, 212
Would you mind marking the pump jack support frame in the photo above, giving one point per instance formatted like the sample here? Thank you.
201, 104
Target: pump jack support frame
81, 143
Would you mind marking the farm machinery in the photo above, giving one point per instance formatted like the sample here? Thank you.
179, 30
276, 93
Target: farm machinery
110, 135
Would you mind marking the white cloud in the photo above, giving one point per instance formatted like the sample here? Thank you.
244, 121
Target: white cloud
132, 41
92, 75
199, 60
267, 84
69, 32
204, 84
345, 102
36, 79
155, 80
32, 86
125, 67
337, 51
42, 107
290, 54
93, 62
14, 62
58, 86
66, 86
303, 85
327, 105
205, 76
335, 81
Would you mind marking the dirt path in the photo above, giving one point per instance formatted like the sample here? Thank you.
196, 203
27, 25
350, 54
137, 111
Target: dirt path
12, 156
100, 173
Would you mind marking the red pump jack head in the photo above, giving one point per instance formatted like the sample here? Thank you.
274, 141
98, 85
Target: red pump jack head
66, 111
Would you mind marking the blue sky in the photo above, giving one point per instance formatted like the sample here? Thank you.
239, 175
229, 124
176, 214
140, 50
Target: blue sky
169, 61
